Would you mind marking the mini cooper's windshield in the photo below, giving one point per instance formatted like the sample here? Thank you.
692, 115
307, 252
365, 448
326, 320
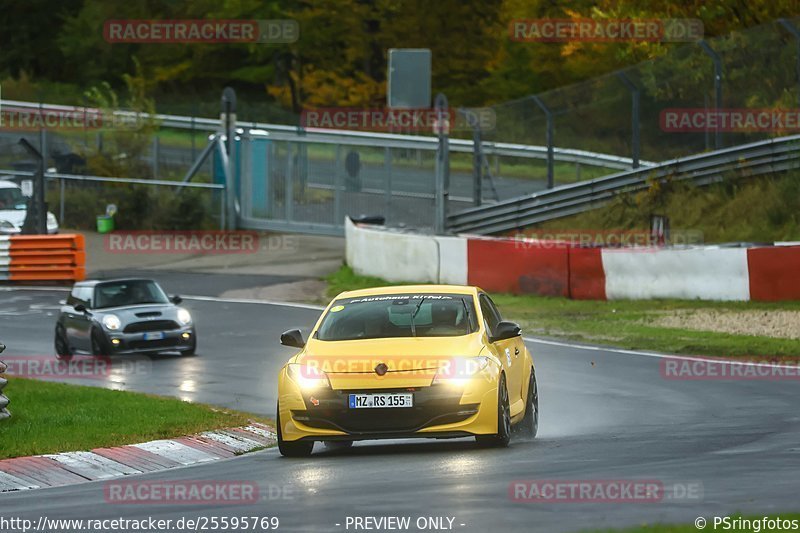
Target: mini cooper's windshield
129, 292
398, 315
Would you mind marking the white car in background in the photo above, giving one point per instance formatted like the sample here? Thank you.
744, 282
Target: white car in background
14, 207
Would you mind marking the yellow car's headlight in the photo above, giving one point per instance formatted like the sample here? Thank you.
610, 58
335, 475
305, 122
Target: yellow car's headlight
308, 377
459, 370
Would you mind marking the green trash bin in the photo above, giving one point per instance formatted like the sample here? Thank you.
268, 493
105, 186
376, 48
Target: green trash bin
105, 224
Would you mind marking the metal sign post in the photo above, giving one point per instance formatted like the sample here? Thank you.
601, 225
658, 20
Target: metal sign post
36, 216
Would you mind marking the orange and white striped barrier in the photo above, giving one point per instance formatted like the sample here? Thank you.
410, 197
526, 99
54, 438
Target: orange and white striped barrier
42, 257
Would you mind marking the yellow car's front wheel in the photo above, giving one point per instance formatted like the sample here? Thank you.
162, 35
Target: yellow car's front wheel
300, 448
503, 435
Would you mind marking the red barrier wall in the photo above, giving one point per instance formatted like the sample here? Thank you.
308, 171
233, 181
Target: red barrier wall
774, 273
519, 267
587, 279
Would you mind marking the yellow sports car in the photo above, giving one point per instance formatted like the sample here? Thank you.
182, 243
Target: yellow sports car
433, 361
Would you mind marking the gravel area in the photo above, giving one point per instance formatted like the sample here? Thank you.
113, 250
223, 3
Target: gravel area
779, 324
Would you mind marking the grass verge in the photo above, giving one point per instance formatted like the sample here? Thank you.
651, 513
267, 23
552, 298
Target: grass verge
621, 323
55, 417
754, 525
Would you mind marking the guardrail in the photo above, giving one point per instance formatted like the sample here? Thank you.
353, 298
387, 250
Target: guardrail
762, 157
3, 382
57, 258
347, 137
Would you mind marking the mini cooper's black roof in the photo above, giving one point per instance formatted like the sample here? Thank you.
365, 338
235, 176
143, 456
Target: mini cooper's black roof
94, 282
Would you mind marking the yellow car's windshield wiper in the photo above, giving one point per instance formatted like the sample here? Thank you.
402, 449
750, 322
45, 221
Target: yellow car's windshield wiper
413, 314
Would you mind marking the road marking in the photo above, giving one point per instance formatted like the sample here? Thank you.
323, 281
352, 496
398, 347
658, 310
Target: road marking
527, 339
253, 301
657, 355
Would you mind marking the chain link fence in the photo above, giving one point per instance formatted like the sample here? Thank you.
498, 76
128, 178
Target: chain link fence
759, 67
290, 178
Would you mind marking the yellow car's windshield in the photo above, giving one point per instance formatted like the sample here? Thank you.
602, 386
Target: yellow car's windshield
398, 315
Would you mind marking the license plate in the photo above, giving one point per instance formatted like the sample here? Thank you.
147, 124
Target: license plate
382, 400
154, 336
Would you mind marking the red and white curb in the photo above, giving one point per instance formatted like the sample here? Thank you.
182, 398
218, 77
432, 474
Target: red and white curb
54, 470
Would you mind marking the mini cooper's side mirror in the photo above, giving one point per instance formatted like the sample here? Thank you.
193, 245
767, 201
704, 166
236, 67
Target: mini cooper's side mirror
506, 330
80, 308
176, 299
293, 338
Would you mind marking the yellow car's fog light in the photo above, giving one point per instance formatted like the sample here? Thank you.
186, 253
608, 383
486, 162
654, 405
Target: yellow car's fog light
460, 370
308, 377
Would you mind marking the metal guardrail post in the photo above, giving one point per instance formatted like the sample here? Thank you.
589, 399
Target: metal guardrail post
791, 28
387, 169
636, 94
477, 156
337, 186
442, 164
717, 86
3, 382
155, 156
548, 140
289, 184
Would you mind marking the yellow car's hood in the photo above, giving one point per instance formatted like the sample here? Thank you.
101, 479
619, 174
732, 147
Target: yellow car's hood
410, 361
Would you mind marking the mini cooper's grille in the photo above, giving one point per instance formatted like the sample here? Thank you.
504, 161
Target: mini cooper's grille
160, 343
151, 325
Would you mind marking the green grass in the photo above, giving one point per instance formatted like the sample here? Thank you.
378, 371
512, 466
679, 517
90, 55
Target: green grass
739, 209
55, 417
691, 528
619, 323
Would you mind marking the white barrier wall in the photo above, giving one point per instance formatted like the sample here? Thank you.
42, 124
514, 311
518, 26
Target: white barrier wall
391, 255
397, 256
695, 273
452, 260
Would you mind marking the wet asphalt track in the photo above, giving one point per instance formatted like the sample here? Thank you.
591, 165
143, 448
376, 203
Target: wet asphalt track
605, 415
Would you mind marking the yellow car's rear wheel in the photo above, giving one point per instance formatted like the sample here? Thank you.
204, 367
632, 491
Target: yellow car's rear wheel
503, 435
300, 448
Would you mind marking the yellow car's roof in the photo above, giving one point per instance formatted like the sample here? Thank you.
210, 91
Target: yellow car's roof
405, 289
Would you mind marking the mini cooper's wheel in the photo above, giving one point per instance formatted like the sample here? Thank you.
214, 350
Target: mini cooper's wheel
63, 353
503, 435
529, 425
300, 448
99, 344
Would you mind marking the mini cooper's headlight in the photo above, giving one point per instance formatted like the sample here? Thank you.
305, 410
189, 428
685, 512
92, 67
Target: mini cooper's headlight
308, 377
183, 316
111, 322
459, 370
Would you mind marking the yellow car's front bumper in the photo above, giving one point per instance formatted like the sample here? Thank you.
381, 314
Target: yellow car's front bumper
439, 411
